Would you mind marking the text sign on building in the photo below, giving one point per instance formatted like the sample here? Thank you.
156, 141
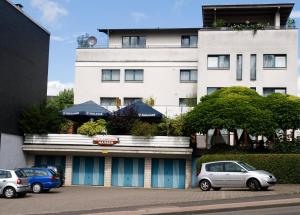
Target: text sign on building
105, 140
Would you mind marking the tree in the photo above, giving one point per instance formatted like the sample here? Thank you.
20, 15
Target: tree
64, 99
231, 108
92, 128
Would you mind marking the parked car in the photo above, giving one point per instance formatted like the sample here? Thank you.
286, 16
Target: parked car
41, 179
220, 174
13, 183
57, 169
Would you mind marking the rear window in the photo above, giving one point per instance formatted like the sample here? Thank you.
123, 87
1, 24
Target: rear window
215, 167
20, 173
53, 172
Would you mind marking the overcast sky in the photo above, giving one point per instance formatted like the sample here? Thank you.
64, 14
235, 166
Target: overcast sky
67, 19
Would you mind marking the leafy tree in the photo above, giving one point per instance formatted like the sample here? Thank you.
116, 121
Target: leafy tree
40, 119
64, 99
92, 128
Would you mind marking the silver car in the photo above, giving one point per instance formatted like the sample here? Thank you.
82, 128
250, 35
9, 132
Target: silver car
13, 183
218, 174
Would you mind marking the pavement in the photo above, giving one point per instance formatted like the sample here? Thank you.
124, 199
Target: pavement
98, 200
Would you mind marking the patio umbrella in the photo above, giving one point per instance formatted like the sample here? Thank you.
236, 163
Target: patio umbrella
85, 111
143, 111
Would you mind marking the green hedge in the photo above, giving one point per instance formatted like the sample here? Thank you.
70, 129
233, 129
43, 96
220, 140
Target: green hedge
285, 167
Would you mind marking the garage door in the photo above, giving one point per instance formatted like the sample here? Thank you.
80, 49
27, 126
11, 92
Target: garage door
168, 173
50, 160
88, 171
128, 172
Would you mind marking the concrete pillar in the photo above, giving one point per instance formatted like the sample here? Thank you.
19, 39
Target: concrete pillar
69, 170
107, 172
30, 160
188, 173
277, 19
147, 172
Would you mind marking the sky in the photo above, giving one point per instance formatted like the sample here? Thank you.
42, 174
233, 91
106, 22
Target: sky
68, 19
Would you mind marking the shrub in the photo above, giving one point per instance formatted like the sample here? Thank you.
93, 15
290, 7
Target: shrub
92, 128
172, 127
286, 146
140, 128
285, 167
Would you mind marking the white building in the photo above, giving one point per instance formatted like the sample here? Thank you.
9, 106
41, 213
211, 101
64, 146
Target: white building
177, 66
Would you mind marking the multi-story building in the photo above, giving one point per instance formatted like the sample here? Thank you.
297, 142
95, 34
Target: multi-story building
177, 66
24, 50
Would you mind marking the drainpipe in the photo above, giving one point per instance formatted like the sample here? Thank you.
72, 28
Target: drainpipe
277, 19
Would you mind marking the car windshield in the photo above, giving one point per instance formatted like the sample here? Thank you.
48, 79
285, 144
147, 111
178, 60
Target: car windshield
247, 166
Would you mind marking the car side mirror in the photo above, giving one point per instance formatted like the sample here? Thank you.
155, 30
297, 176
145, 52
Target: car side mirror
243, 170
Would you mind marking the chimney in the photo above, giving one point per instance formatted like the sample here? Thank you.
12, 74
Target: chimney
19, 7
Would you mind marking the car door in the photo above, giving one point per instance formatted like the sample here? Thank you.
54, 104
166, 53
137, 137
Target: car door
41, 176
215, 173
2, 180
234, 176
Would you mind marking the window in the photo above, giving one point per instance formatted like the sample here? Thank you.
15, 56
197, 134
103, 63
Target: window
188, 75
269, 90
239, 67
29, 172
39, 172
253, 67
218, 61
232, 167
187, 102
5, 174
20, 173
215, 167
253, 88
189, 41
110, 75
134, 75
274, 61
133, 42
210, 90
108, 101
128, 101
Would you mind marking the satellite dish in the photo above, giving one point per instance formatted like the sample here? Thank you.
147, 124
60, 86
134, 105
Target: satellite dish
92, 41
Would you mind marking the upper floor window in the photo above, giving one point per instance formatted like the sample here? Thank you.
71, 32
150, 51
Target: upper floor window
133, 42
128, 101
210, 90
269, 90
188, 75
274, 60
187, 102
108, 101
218, 61
189, 41
135, 75
110, 75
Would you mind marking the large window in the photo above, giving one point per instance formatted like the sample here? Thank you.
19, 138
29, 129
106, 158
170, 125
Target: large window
133, 42
128, 101
134, 75
239, 67
188, 75
210, 90
274, 61
269, 90
110, 75
253, 67
108, 101
189, 41
218, 61
187, 102
215, 167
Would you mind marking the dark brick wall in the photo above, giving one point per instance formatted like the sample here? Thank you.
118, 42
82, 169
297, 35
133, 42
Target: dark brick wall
24, 52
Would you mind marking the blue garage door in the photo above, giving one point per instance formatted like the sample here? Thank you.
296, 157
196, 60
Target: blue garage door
168, 173
88, 171
128, 172
50, 160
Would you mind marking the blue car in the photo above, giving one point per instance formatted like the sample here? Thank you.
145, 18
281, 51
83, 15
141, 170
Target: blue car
42, 179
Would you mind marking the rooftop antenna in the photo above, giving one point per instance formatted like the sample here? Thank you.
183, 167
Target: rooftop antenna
92, 41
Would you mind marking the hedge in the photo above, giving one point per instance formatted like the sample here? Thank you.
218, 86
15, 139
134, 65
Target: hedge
285, 167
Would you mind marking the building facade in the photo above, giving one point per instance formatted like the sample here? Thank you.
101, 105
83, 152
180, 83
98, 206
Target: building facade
24, 48
176, 67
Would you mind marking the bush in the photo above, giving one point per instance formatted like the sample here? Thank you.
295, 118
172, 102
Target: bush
285, 167
172, 127
140, 128
92, 128
286, 146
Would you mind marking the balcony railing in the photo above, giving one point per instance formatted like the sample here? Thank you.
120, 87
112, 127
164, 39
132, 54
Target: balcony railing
142, 47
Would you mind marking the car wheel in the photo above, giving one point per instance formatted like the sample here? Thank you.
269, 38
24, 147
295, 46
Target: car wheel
216, 188
253, 185
264, 188
205, 185
9, 192
36, 188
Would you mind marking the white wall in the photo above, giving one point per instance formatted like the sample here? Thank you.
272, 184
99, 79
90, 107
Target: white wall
247, 43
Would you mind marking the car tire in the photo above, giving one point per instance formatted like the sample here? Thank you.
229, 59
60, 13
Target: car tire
264, 188
205, 185
37, 188
216, 188
9, 192
253, 184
